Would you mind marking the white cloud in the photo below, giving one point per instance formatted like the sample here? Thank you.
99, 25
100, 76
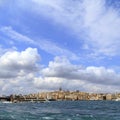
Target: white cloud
61, 73
103, 28
91, 20
7, 30
96, 24
20, 72
43, 44
14, 60
17, 69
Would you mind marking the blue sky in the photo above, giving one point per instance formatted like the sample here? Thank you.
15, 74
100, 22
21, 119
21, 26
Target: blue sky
47, 44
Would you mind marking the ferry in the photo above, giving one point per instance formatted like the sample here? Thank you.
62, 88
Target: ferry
118, 99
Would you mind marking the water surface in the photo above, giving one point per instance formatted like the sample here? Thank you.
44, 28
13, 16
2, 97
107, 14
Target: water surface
62, 110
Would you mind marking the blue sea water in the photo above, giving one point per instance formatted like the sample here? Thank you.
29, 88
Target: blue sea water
62, 110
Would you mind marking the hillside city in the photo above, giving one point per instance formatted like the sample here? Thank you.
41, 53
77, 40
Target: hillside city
61, 95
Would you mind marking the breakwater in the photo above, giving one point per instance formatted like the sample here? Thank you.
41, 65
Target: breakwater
61, 96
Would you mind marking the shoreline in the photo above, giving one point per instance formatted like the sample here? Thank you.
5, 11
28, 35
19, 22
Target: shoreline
61, 96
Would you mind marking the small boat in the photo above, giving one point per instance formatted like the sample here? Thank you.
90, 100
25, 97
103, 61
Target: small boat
118, 99
6, 102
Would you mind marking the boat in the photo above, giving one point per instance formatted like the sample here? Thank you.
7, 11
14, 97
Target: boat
6, 102
118, 99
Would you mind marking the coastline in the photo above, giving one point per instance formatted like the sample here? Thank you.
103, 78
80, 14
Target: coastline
60, 96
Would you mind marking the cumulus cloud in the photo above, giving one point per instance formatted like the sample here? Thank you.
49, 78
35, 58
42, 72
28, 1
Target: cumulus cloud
17, 70
20, 72
92, 21
15, 61
64, 69
62, 73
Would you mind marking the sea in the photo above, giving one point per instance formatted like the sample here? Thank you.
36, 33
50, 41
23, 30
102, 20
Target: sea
61, 110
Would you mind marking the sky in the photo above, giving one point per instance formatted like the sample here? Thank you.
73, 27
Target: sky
50, 44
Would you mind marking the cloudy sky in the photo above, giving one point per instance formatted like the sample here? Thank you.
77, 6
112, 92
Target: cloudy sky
48, 44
